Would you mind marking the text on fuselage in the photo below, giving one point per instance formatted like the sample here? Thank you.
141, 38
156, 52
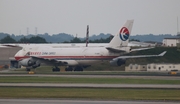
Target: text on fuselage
42, 53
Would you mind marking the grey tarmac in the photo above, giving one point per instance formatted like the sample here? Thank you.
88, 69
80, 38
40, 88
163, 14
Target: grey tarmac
62, 101
57, 85
96, 76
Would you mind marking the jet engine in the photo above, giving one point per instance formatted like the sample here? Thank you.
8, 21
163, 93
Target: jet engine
118, 62
29, 62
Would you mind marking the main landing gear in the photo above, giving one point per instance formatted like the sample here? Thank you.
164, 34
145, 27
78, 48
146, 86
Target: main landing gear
76, 68
28, 69
55, 69
69, 68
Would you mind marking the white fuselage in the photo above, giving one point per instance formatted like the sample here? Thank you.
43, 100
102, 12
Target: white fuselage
73, 56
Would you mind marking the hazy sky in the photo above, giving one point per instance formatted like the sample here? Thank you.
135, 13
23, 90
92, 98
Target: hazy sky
103, 16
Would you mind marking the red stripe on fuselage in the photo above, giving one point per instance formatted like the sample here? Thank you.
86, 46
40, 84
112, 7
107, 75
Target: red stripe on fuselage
73, 57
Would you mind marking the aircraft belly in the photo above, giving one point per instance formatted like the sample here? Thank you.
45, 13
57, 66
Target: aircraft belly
88, 62
70, 62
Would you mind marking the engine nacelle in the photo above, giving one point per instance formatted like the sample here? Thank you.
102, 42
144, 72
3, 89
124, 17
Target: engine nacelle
118, 62
27, 62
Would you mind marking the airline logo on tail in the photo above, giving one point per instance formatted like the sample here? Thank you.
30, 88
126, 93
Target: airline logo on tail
124, 34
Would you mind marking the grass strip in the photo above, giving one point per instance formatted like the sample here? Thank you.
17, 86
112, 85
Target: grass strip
87, 93
36, 79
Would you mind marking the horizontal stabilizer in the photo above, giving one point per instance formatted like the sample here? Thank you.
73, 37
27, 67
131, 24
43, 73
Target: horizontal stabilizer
115, 50
118, 49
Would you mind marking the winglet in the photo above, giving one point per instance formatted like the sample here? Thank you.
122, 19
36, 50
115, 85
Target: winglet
162, 54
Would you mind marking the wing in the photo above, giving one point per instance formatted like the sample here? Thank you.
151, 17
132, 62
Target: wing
139, 56
139, 49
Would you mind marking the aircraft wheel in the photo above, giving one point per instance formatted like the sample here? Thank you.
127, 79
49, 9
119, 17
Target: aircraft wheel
56, 69
53, 69
69, 69
78, 68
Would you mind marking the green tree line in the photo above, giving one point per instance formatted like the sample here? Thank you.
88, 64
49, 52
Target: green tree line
35, 39
77, 40
38, 39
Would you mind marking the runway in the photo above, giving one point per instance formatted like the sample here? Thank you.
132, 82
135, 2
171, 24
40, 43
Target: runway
61, 101
88, 85
96, 76
56, 85
91, 85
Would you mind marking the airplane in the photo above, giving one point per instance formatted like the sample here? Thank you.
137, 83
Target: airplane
69, 45
78, 58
